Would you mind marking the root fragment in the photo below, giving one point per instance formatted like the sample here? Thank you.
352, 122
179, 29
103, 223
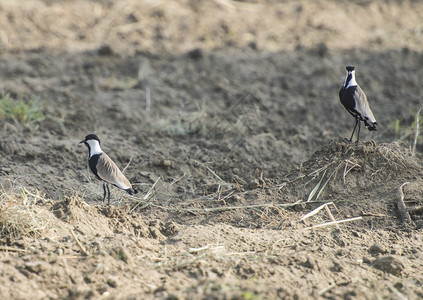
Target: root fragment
402, 210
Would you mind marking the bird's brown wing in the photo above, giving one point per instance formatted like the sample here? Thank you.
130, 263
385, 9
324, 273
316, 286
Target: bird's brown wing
109, 172
362, 105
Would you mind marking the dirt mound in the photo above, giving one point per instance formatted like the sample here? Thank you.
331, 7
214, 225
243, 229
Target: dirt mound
362, 179
348, 169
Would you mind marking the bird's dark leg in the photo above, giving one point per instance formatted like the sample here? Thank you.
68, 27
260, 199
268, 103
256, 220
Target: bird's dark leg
358, 133
352, 134
108, 194
104, 191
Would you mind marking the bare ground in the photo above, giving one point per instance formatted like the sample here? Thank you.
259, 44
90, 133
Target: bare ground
243, 138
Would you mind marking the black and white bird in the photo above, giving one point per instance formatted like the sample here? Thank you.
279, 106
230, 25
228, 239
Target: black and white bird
355, 102
104, 168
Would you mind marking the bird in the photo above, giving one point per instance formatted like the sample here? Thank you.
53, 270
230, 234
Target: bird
355, 102
104, 168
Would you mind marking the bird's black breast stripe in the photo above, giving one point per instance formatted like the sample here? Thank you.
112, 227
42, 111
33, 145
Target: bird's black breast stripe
349, 77
348, 100
92, 162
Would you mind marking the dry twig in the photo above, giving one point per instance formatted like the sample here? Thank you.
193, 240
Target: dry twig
370, 214
334, 223
5, 248
327, 289
402, 210
127, 165
78, 243
211, 171
417, 132
316, 210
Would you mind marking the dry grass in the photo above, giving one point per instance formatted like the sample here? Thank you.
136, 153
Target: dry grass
398, 156
19, 217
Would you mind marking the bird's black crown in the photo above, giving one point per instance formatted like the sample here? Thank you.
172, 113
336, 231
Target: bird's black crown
350, 68
91, 137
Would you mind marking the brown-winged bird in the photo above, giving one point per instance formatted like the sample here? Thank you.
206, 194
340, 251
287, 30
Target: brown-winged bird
355, 102
104, 168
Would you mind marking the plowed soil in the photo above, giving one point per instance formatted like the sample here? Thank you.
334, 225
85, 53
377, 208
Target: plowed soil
225, 117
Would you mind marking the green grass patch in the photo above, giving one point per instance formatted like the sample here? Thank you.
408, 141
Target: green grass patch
23, 110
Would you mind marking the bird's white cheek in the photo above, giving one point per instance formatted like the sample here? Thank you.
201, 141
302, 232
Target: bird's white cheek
94, 147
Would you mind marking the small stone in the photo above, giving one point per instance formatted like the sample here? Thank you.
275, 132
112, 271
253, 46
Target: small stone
89, 278
252, 45
366, 260
112, 281
34, 267
196, 53
356, 234
168, 163
102, 289
388, 264
105, 50
376, 249
59, 251
399, 286
337, 267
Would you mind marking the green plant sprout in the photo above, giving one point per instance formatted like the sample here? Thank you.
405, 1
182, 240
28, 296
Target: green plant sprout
23, 110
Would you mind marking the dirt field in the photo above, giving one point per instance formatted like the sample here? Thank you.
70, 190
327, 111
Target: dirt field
226, 118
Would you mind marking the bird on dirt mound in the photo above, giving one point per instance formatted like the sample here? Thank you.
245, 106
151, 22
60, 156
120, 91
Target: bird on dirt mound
355, 102
104, 168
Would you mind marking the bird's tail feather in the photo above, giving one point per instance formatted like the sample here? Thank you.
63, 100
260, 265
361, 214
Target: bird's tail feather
131, 191
371, 126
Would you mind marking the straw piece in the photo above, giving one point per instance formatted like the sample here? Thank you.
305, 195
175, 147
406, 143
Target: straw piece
127, 165
79, 243
5, 248
315, 211
333, 223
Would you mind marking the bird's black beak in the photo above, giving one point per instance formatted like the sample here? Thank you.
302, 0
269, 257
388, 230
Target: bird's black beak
82, 142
